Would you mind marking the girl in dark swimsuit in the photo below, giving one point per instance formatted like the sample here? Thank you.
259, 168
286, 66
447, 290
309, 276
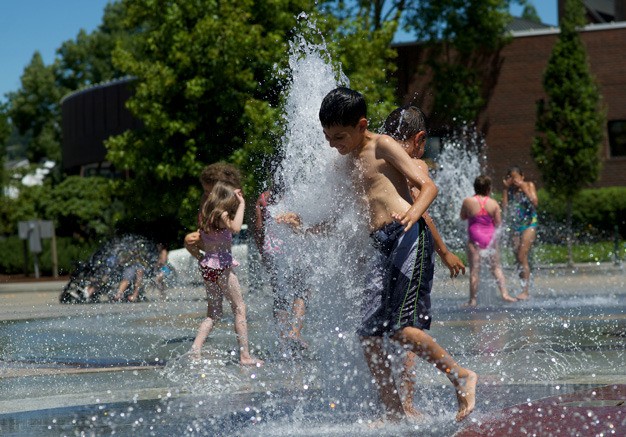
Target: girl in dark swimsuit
519, 201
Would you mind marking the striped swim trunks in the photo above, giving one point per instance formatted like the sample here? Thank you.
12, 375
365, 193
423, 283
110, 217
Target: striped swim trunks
397, 292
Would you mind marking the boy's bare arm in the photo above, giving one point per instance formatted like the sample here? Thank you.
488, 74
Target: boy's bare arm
259, 231
450, 260
394, 154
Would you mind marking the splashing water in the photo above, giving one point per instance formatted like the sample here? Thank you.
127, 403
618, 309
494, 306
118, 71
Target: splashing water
316, 184
457, 167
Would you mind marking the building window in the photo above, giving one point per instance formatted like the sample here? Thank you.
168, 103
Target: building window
617, 137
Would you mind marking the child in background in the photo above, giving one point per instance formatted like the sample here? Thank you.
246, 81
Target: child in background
211, 174
163, 270
483, 216
519, 201
222, 215
133, 274
290, 291
407, 125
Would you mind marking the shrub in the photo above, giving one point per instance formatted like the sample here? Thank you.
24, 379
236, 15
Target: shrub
595, 211
69, 251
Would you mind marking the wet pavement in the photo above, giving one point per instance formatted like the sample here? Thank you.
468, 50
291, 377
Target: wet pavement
554, 365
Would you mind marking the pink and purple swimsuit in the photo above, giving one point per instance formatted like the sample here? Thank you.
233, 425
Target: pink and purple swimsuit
213, 264
481, 227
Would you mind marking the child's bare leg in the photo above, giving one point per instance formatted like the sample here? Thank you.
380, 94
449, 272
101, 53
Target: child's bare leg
526, 240
464, 380
380, 367
214, 296
496, 271
282, 320
124, 284
297, 310
232, 291
206, 326
192, 244
407, 385
473, 258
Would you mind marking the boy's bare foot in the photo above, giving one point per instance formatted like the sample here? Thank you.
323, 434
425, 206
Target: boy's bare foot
296, 343
472, 303
466, 395
386, 419
195, 355
508, 298
250, 361
523, 296
412, 414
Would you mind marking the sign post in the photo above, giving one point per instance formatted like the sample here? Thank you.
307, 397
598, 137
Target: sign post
32, 231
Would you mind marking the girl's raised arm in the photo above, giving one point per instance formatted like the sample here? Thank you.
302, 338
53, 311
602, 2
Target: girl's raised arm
234, 225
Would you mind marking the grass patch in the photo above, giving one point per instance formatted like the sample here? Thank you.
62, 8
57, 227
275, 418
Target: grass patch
547, 254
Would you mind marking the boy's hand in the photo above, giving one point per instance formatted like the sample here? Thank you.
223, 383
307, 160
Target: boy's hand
453, 263
408, 219
289, 218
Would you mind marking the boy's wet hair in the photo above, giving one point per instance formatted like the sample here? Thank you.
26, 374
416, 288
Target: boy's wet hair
482, 185
342, 107
221, 172
405, 122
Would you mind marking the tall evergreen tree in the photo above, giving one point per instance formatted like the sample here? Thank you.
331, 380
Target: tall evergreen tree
34, 110
570, 120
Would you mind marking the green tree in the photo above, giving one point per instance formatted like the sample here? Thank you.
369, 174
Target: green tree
530, 13
34, 110
570, 120
5, 132
84, 207
463, 39
204, 80
87, 59
359, 38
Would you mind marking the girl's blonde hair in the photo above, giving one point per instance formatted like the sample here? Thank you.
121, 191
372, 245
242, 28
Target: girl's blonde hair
221, 199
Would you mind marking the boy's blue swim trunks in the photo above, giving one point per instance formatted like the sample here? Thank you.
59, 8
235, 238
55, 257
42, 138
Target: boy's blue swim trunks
399, 281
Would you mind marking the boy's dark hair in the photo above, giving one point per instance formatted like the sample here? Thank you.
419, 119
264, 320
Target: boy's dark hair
221, 172
405, 122
342, 107
482, 185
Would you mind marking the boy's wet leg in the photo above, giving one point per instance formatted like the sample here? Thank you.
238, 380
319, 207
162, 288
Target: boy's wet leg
381, 369
463, 380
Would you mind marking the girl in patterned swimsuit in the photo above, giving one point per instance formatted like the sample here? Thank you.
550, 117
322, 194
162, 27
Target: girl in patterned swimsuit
483, 216
519, 201
222, 215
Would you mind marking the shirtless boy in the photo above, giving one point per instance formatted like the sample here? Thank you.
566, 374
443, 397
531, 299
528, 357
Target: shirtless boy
407, 125
397, 298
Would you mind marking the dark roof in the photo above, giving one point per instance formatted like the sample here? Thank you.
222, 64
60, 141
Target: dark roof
520, 24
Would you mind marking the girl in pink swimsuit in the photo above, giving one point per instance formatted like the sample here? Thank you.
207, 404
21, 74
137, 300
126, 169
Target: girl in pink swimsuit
222, 215
483, 216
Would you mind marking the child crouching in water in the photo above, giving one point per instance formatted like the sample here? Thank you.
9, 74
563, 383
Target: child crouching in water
222, 215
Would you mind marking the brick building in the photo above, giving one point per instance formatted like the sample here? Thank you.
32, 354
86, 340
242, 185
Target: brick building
508, 120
